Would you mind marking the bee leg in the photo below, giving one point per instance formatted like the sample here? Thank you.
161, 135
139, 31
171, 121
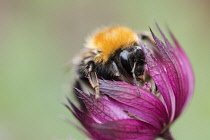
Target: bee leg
134, 78
93, 79
94, 83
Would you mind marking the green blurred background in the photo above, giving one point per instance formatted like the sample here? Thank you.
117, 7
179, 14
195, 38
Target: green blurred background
39, 37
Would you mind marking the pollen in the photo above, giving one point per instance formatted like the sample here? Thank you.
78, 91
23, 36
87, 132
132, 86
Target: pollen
107, 41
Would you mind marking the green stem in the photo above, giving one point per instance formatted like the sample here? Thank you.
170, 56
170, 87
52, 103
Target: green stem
167, 135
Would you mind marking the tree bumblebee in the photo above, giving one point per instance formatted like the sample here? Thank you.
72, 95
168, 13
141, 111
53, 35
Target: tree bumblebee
112, 54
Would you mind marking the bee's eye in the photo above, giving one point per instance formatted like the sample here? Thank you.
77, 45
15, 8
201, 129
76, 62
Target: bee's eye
125, 57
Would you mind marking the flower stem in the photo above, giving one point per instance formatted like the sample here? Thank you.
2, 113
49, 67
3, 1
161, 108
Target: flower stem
167, 135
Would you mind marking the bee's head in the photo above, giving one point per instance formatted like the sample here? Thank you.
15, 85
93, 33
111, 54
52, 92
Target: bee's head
133, 60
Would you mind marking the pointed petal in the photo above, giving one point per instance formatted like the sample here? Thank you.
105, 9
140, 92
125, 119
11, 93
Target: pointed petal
186, 71
171, 66
147, 107
80, 114
87, 122
127, 129
102, 109
74, 124
161, 79
84, 119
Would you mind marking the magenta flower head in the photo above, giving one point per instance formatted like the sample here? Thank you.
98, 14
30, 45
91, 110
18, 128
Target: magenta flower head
144, 111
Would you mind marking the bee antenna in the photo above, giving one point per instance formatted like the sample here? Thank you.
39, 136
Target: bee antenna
134, 78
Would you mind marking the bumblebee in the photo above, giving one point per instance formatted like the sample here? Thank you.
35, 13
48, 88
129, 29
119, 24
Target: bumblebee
113, 54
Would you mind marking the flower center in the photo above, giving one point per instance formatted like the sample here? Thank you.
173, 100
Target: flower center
149, 84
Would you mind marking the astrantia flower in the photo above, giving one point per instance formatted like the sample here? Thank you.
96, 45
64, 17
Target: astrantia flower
122, 114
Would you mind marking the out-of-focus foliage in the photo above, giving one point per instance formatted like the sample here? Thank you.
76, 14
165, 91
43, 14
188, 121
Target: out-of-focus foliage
38, 37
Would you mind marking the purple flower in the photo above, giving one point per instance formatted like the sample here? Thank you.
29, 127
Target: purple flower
122, 114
